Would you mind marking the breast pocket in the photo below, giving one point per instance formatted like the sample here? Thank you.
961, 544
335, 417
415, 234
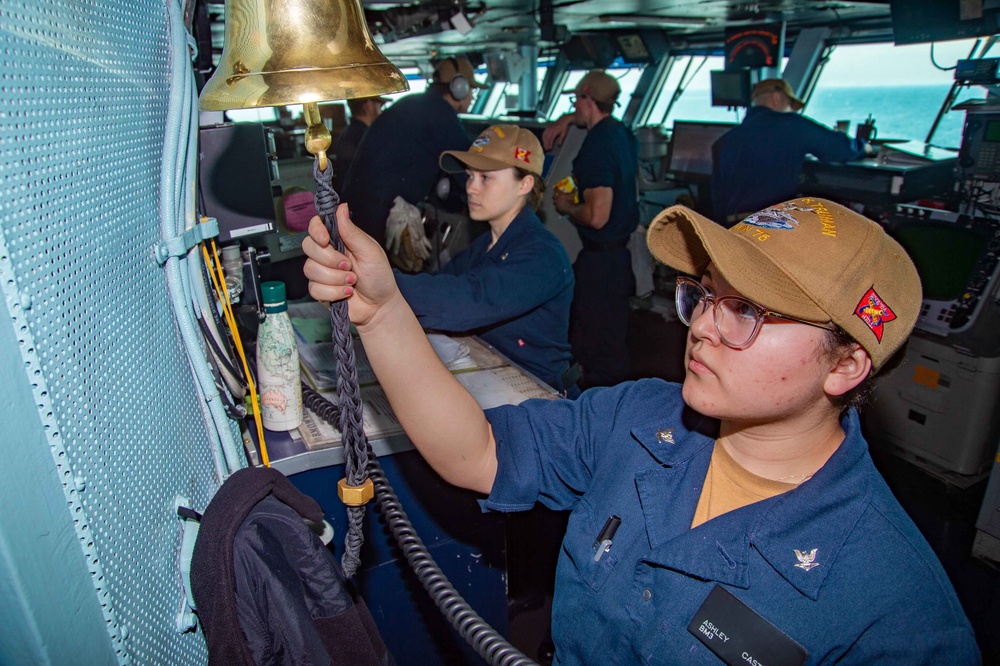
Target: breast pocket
585, 524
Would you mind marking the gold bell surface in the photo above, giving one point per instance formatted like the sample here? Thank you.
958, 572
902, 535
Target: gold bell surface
356, 495
279, 52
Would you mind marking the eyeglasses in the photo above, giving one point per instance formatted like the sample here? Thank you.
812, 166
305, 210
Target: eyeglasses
737, 320
577, 96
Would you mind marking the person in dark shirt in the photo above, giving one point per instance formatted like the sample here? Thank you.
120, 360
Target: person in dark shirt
364, 111
399, 154
605, 171
513, 285
758, 163
746, 493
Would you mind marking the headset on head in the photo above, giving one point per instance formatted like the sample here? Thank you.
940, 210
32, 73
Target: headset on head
459, 86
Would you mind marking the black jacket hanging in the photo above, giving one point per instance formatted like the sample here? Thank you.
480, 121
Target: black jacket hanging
267, 590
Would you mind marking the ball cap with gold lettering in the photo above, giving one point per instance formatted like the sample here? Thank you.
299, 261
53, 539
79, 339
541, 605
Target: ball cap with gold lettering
807, 258
498, 147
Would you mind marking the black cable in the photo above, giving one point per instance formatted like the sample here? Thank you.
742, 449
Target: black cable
934, 62
220, 355
483, 638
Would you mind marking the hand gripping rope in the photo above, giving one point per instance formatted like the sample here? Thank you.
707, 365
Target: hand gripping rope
365, 475
356, 489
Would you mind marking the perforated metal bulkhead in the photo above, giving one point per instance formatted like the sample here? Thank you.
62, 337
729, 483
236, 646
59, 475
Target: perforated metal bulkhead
84, 90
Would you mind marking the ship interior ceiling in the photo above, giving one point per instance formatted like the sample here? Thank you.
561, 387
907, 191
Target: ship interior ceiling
167, 434
410, 32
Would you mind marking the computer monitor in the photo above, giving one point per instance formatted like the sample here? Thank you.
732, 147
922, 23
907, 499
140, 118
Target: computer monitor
691, 147
957, 266
731, 88
945, 255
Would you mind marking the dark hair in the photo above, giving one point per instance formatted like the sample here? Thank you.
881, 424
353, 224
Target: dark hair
537, 193
604, 107
835, 344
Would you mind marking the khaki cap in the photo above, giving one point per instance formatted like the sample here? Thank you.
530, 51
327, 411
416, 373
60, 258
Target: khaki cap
599, 86
498, 147
446, 70
777, 85
808, 258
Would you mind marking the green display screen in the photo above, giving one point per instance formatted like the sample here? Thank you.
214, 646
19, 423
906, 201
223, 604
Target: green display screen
944, 256
993, 130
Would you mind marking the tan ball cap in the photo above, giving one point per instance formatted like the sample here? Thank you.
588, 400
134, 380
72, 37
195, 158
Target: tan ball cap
498, 147
808, 258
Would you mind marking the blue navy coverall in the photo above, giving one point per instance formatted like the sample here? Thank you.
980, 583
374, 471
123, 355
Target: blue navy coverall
399, 157
758, 163
515, 296
874, 592
609, 157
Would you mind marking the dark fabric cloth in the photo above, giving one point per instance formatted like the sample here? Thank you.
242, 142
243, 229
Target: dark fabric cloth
266, 588
345, 150
515, 296
399, 157
835, 563
758, 163
599, 318
609, 157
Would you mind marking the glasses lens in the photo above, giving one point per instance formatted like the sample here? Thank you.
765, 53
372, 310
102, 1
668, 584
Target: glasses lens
688, 296
737, 320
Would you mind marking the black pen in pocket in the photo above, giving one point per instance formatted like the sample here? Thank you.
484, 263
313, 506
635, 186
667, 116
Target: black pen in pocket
603, 541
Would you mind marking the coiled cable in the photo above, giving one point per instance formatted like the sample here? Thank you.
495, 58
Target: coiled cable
483, 638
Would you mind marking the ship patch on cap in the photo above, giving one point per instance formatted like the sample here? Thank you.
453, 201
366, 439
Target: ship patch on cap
521, 154
874, 312
481, 142
777, 217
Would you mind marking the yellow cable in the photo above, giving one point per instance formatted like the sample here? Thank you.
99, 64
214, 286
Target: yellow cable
219, 283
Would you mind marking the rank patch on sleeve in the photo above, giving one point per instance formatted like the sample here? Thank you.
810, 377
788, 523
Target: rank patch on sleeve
874, 312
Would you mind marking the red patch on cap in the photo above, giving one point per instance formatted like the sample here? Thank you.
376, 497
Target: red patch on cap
874, 312
521, 154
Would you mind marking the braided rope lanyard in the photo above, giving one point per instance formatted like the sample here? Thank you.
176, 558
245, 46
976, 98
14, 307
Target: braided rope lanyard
356, 489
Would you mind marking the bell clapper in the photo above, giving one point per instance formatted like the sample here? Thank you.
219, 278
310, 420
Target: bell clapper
318, 138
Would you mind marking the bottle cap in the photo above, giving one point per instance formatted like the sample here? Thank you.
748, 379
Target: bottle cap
231, 253
272, 293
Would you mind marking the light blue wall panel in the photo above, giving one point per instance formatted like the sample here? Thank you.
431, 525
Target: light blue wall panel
102, 426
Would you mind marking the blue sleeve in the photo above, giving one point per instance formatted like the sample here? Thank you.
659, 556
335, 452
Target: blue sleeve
830, 145
942, 646
548, 450
489, 293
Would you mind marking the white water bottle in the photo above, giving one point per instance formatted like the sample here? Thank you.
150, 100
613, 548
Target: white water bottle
278, 375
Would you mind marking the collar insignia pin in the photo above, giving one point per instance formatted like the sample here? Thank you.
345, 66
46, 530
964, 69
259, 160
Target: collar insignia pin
807, 560
665, 436
503, 257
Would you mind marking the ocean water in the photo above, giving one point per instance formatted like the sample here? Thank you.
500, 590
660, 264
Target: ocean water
901, 112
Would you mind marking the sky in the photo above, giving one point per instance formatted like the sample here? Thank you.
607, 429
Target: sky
878, 64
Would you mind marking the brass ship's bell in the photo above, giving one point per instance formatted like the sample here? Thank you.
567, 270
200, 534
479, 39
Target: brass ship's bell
279, 52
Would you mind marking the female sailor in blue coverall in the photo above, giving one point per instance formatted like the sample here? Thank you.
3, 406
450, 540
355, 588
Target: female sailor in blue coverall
513, 286
737, 518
